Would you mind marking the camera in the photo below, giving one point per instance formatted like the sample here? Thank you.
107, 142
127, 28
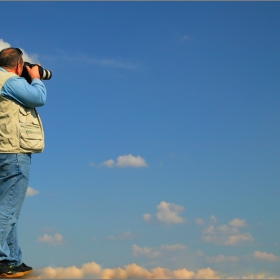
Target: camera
44, 74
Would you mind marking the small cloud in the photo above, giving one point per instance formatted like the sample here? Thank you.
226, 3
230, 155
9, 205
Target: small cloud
200, 253
213, 219
147, 217
234, 239
231, 240
228, 235
130, 160
115, 63
125, 236
126, 161
108, 163
92, 164
209, 230
185, 38
146, 251
200, 221
57, 239
227, 229
31, 192
265, 256
168, 213
222, 258
157, 252
238, 223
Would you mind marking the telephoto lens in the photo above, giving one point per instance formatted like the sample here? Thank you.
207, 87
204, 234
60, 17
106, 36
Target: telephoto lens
44, 73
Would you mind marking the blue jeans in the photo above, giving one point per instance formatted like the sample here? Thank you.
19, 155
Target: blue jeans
14, 176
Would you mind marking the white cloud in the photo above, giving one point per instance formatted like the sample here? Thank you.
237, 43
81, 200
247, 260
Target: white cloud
114, 63
231, 240
236, 239
31, 192
213, 219
222, 258
123, 236
56, 239
209, 230
4, 45
238, 223
108, 163
266, 256
126, 161
146, 251
130, 160
157, 252
185, 38
200, 221
228, 235
227, 229
147, 217
168, 213
26, 57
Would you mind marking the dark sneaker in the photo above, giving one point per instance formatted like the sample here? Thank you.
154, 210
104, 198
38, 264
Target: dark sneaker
25, 269
8, 271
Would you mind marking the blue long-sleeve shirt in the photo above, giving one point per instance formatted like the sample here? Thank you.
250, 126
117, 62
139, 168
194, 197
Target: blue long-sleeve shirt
18, 89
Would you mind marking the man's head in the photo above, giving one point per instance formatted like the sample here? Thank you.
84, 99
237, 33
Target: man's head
11, 59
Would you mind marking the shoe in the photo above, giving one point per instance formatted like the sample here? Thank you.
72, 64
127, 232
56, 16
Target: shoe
8, 271
25, 269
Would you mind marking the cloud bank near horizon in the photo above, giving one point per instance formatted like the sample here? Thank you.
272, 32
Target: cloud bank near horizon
134, 271
94, 270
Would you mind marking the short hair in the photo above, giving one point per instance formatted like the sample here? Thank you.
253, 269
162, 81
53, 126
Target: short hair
9, 57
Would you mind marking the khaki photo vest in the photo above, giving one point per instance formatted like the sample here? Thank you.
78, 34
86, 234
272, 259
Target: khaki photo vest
21, 129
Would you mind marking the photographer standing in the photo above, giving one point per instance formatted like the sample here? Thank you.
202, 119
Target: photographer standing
21, 134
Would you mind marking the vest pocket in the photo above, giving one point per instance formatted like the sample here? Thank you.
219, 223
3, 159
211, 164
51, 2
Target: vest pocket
30, 132
31, 137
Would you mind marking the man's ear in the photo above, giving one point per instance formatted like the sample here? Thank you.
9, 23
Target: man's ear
18, 69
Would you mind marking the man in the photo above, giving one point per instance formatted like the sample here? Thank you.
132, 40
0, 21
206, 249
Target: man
21, 134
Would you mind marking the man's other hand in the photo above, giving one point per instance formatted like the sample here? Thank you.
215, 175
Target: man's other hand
33, 72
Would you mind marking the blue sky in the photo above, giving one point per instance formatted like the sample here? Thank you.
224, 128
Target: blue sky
162, 138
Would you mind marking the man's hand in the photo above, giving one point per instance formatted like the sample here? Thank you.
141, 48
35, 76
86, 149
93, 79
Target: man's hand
33, 72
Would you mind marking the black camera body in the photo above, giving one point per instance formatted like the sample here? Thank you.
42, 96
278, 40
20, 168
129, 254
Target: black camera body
44, 74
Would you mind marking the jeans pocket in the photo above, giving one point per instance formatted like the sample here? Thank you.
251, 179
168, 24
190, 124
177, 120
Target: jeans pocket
4, 165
